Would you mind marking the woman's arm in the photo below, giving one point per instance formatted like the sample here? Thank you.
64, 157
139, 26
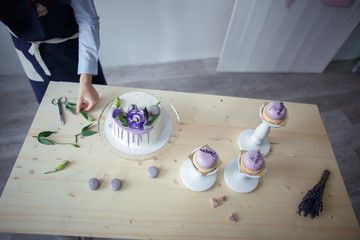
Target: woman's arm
89, 43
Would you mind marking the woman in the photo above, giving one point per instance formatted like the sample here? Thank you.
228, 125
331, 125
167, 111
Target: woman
57, 41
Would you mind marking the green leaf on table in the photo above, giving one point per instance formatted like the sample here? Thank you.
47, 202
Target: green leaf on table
59, 167
88, 133
86, 127
85, 132
86, 116
71, 107
45, 141
45, 134
41, 139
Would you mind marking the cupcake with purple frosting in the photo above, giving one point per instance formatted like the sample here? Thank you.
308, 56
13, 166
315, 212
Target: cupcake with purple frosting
252, 162
274, 112
206, 160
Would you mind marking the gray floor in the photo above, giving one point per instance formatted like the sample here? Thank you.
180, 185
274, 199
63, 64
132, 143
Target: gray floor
336, 92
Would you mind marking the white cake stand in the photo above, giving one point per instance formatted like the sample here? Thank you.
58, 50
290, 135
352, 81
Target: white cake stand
194, 180
256, 139
238, 181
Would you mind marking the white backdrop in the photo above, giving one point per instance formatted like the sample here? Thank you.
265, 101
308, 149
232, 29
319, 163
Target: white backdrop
268, 36
135, 32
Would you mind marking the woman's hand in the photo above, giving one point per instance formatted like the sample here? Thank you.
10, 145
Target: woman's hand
88, 96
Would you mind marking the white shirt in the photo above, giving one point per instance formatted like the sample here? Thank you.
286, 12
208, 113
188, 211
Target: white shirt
89, 36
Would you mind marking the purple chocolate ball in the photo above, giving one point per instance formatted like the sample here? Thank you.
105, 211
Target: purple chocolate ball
155, 110
93, 184
152, 172
115, 184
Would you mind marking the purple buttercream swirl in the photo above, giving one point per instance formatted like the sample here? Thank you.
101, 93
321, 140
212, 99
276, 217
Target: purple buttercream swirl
206, 157
253, 160
276, 110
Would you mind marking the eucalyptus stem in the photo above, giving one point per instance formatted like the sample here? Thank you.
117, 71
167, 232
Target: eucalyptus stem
85, 132
76, 137
41, 139
72, 144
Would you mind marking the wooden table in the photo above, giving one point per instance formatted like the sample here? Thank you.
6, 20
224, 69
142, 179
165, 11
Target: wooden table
163, 208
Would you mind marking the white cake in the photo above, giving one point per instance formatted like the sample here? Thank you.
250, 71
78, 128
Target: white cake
131, 107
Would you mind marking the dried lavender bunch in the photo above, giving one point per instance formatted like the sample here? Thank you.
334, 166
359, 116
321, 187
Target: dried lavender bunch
312, 202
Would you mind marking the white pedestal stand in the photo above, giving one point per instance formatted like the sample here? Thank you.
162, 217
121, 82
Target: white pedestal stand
238, 181
194, 180
256, 139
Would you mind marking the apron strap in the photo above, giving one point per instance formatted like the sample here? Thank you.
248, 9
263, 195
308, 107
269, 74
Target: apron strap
34, 50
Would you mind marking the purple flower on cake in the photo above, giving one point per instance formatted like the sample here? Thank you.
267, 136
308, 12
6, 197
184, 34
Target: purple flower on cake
117, 112
136, 119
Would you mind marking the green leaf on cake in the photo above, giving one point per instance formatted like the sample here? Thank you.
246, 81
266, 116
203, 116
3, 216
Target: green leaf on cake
153, 118
117, 103
123, 120
146, 113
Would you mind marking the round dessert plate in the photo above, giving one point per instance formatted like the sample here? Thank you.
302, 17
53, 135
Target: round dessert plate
238, 181
169, 133
194, 180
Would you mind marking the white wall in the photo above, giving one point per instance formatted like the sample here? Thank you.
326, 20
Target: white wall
141, 31
137, 32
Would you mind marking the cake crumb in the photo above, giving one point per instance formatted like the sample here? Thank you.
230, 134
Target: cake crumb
233, 218
215, 202
222, 198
